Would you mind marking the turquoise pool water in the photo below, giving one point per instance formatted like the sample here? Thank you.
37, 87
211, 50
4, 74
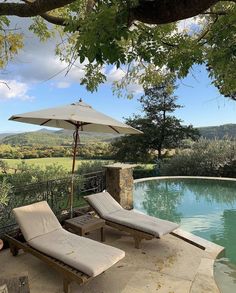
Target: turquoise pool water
204, 207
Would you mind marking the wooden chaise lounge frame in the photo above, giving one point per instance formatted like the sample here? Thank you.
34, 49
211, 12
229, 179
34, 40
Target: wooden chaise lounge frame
69, 274
138, 235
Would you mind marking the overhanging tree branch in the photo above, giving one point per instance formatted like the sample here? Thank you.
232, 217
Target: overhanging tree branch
153, 12
33, 9
166, 11
48, 17
54, 19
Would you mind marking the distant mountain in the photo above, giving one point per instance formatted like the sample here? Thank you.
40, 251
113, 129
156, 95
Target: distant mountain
89, 136
45, 130
219, 132
53, 138
37, 138
48, 137
2, 135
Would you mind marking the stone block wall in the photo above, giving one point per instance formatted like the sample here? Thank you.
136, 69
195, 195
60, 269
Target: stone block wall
119, 183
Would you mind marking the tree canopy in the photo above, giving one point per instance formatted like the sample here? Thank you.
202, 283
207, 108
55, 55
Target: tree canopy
161, 129
145, 39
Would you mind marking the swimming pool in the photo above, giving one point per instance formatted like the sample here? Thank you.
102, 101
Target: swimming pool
205, 207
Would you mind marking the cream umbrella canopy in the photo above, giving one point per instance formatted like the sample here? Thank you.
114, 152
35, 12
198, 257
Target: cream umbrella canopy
78, 117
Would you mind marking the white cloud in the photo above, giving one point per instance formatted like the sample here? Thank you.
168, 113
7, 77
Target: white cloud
39, 64
115, 74
12, 89
37, 61
135, 88
62, 84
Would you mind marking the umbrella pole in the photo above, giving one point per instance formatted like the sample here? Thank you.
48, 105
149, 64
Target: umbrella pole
76, 140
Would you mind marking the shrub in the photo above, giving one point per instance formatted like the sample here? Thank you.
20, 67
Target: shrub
89, 167
96, 150
27, 174
204, 158
99, 150
5, 189
4, 167
142, 172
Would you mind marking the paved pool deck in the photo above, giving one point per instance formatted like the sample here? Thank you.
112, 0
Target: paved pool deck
167, 265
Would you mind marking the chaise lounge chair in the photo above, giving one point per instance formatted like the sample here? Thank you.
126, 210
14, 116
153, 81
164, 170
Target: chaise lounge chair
76, 258
140, 226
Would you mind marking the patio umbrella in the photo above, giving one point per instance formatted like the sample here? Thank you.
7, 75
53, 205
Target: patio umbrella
77, 117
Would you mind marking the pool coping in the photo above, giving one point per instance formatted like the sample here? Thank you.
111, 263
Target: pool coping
212, 251
206, 267
184, 177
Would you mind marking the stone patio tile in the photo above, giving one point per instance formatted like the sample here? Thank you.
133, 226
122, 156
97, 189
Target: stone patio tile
144, 281
204, 284
167, 265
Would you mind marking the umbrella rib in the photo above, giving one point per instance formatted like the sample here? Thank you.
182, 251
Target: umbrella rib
45, 122
78, 124
15, 117
70, 122
83, 124
114, 129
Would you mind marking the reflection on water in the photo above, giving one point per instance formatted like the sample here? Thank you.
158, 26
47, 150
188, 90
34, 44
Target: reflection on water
206, 208
161, 204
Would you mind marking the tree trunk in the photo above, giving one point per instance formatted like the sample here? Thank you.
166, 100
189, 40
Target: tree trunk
159, 153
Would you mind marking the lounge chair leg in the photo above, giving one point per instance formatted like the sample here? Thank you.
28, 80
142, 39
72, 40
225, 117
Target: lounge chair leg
137, 241
14, 250
66, 286
102, 235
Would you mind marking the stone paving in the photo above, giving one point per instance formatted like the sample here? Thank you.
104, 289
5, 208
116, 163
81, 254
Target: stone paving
167, 265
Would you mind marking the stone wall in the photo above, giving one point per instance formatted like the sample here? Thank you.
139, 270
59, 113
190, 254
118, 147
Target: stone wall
119, 183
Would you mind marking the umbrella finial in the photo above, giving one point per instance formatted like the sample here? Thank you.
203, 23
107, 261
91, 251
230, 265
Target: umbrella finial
80, 100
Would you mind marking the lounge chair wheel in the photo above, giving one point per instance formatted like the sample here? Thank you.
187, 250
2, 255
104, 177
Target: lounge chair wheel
14, 250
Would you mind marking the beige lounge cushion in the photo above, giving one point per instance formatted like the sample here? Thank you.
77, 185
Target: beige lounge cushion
104, 203
36, 219
109, 209
145, 223
86, 255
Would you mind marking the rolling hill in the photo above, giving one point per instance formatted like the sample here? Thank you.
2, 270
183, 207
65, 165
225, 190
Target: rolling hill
65, 137
5, 134
219, 132
52, 138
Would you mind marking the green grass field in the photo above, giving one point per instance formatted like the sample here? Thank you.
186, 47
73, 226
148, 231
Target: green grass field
42, 162
65, 162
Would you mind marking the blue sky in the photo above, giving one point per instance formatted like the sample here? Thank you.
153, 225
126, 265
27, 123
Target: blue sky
26, 75
203, 105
